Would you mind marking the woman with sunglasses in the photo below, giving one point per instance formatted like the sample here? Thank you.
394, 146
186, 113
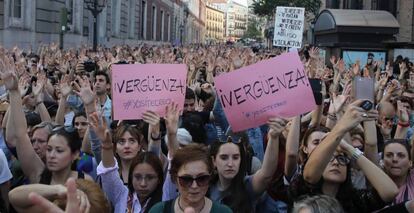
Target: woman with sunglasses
327, 170
230, 185
145, 175
191, 169
62, 146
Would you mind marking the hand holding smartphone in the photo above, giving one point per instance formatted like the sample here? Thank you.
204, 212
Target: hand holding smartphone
363, 88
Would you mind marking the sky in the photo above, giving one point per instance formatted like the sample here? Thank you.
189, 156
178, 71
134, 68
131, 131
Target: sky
242, 2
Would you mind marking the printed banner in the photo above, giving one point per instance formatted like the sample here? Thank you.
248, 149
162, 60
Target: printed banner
275, 87
289, 27
137, 88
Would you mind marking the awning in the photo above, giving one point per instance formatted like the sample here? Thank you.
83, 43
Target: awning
335, 27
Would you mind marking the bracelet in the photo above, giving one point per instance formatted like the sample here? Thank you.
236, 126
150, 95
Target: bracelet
107, 146
156, 138
404, 124
356, 153
38, 103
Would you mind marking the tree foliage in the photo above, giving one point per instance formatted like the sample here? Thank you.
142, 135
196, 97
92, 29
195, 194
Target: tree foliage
252, 30
268, 7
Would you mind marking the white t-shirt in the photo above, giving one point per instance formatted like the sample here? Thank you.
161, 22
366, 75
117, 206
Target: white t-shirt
5, 174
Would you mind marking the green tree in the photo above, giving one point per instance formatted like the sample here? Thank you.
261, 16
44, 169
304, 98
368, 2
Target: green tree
252, 31
268, 7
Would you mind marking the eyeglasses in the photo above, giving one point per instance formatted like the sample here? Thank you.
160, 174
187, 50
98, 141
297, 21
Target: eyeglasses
341, 159
187, 181
67, 129
388, 118
232, 139
147, 178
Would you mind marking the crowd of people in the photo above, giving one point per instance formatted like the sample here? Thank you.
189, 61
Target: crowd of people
61, 150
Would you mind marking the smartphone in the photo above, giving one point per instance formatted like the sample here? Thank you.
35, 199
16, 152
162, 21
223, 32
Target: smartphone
363, 88
316, 85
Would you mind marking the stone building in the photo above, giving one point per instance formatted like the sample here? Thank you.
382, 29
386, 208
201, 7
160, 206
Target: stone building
27, 22
236, 19
214, 24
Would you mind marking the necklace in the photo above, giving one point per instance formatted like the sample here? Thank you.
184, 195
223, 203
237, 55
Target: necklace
181, 208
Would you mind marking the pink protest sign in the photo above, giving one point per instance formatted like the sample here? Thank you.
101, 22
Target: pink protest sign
137, 88
275, 87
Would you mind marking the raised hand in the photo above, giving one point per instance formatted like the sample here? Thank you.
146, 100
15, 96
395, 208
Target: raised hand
171, 118
8, 73
403, 67
86, 93
153, 119
314, 53
276, 126
77, 201
383, 81
38, 87
402, 112
65, 88
24, 85
338, 102
356, 68
354, 115
100, 127
333, 60
340, 65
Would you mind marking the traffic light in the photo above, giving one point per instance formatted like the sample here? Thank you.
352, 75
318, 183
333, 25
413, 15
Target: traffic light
65, 16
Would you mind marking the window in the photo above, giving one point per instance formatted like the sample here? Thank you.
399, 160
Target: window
144, 20
132, 28
16, 8
168, 27
353, 4
115, 13
162, 25
154, 23
332, 4
387, 5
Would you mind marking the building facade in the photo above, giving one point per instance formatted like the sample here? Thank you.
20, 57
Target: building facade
236, 20
402, 10
27, 23
214, 24
194, 21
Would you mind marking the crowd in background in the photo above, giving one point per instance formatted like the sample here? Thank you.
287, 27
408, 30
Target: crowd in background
61, 148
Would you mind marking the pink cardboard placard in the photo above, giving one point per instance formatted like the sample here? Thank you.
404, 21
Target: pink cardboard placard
137, 88
275, 87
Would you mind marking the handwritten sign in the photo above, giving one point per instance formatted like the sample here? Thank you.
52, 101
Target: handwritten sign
137, 88
289, 27
275, 87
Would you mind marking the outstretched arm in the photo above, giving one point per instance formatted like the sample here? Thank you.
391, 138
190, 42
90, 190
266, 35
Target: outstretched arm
16, 131
262, 178
323, 153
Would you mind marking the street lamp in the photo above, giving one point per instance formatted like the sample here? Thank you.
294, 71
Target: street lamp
96, 7
181, 33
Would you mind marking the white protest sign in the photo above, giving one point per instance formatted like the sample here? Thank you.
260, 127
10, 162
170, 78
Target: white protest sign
289, 27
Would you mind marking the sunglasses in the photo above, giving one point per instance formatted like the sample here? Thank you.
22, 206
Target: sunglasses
187, 181
67, 129
341, 159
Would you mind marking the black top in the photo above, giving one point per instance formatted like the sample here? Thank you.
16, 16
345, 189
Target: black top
351, 199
